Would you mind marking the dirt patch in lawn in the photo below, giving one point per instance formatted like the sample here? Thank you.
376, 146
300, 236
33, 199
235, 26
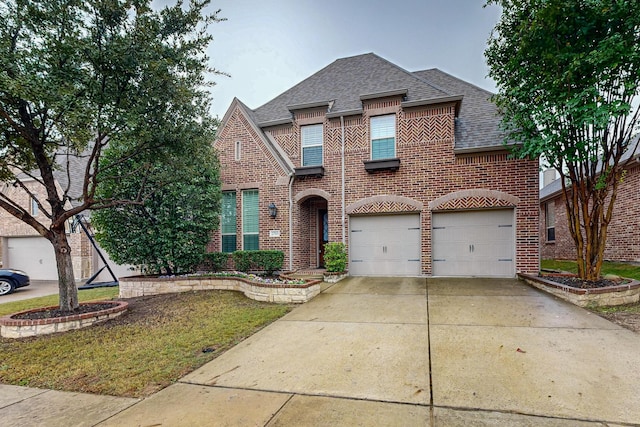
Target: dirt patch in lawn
627, 316
158, 340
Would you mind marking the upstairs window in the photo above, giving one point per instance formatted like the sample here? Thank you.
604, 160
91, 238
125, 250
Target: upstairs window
228, 222
250, 241
311, 145
34, 207
550, 221
383, 137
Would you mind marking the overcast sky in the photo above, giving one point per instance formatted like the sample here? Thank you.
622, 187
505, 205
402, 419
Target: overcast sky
269, 46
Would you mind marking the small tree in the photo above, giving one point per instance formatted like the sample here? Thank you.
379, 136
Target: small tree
76, 76
568, 74
169, 231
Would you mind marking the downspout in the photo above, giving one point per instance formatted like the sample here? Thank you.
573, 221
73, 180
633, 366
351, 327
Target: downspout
291, 178
343, 223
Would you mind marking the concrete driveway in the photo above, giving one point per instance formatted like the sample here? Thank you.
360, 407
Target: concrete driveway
406, 351
37, 288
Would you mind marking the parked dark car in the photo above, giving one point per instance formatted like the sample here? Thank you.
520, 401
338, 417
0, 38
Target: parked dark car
11, 279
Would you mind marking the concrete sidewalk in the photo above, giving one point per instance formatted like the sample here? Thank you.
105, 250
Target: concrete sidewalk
392, 351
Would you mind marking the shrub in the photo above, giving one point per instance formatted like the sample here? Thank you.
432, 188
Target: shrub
335, 257
215, 261
267, 261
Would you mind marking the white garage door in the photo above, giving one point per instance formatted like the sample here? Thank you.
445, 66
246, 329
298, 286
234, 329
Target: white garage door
384, 245
34, 255
475, 243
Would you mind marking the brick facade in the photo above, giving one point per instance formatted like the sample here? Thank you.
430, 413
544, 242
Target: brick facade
10, 226
430, 170
623, 239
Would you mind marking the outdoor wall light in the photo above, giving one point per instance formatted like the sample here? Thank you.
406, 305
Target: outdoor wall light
273, 210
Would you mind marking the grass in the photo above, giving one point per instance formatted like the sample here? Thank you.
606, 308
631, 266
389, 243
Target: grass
52, 300
158, 341
617, 268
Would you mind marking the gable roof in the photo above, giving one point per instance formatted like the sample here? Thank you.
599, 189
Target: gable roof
344, 81
342, 86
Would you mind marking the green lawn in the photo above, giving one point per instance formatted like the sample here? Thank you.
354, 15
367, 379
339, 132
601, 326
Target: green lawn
51, 300
617, 268
158, 341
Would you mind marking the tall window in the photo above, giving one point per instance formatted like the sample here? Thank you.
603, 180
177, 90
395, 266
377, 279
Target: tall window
550, 219
34, 207
311, 145
383, 137
228, 225
238, 150
250, 220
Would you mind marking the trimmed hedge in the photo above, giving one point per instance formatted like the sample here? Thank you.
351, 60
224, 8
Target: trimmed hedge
215, 261
268, 261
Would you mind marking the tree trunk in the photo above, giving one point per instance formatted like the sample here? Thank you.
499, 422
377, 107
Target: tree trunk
66, 281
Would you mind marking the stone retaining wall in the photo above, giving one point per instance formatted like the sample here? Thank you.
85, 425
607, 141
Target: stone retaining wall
612, 295
139, 286
19, 328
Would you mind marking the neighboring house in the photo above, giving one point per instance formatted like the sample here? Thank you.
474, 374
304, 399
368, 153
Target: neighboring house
22, 248
407, 168
623, 237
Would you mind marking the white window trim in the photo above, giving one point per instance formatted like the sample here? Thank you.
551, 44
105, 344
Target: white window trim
34, 209
549, 206
395, 135
244, 233
321, 145
235, 233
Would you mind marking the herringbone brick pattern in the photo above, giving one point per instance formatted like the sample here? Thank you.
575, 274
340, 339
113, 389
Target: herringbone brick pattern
383, 207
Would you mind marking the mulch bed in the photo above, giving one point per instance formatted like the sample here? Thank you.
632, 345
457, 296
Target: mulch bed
50, 314
576, 282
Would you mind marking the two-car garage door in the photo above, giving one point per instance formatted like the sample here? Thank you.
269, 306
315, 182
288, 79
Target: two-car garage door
464, 243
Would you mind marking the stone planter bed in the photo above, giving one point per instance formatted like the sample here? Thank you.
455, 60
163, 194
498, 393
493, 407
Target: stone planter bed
12, 327
137, 286
626, 293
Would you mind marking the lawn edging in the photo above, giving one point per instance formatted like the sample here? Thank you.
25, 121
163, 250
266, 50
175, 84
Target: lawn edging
627, 293
136, 286
10, 327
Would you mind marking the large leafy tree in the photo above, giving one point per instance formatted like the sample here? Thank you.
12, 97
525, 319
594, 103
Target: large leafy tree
169, 232
568, 74
77, 76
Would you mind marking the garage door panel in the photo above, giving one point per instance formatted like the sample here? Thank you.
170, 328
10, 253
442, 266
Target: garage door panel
473, 243
34, 255
385, 245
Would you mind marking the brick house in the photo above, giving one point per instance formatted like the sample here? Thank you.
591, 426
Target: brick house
22, 248
407, 168
623, 239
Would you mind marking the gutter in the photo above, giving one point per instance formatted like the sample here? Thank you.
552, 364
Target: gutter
343, 222
291, 178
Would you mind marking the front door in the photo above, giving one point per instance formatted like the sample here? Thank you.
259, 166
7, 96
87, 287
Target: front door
323, 234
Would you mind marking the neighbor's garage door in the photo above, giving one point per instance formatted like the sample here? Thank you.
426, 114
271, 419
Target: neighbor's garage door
384, 245
474, 243
34, 255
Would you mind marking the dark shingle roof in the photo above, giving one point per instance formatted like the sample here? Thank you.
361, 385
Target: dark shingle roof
478, 123
344, 81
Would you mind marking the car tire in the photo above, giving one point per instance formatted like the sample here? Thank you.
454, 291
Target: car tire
6, 286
